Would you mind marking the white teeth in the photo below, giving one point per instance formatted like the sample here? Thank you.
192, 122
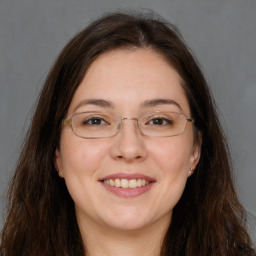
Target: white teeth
117, 183
125, 183
132, 183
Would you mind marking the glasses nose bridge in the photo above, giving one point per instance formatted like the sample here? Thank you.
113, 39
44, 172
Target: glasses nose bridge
129, 118
124, 119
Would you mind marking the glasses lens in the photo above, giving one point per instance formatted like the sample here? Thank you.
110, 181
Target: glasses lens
95, 124
165, 124
103, 125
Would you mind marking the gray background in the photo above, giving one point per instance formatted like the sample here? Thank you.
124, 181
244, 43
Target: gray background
221, 33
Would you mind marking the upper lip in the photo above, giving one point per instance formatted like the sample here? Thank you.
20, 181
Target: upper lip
127, 176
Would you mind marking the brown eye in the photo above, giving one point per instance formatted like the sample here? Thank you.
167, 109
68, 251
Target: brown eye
95, 121
159, 121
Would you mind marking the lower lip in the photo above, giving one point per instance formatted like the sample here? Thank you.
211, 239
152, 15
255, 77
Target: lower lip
129, 192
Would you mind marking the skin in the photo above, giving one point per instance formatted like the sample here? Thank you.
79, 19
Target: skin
127, 78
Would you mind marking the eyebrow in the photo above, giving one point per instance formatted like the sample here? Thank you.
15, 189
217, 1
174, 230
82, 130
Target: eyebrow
95, 102
157, 102
146, 104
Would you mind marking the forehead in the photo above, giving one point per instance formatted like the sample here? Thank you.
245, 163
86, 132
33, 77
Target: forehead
127, 78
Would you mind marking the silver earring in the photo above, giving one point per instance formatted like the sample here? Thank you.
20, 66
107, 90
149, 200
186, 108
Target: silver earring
191, 169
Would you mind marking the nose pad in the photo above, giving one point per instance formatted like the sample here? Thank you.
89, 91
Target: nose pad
136, 126
129, 119
119, 126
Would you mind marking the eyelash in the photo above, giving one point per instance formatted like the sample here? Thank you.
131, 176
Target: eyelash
163, 121
168, 121
89, 121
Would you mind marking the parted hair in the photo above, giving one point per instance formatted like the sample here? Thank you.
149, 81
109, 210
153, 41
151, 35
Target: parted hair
208, 219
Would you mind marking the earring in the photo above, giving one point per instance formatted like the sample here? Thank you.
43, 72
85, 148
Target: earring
57, 170
191, 170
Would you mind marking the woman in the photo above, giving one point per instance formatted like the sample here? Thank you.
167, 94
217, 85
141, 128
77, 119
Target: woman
125, 154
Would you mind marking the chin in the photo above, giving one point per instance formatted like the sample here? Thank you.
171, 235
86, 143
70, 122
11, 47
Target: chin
128, 225
130, 220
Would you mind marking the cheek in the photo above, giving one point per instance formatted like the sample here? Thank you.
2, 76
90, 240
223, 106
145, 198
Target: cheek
80, 157
170, 160
173, 155
81, 163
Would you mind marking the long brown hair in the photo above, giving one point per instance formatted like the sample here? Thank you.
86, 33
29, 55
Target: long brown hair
208, 219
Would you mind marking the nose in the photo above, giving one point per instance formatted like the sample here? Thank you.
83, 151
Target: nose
128, 144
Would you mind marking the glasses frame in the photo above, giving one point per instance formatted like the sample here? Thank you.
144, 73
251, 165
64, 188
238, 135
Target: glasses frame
69, 122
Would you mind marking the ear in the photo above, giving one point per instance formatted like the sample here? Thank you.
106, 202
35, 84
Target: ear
195, 154
58, 162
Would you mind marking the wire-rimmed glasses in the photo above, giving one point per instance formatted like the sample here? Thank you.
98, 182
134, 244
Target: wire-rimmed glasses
95, 125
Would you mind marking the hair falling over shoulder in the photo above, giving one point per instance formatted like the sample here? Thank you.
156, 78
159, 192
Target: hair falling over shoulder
208, 220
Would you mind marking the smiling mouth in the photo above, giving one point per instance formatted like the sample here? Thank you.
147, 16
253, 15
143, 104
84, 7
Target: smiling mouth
126, 183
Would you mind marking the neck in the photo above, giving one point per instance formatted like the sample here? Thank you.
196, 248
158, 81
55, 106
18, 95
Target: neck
102, 241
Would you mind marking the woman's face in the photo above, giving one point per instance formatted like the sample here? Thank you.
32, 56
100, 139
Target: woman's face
128, 83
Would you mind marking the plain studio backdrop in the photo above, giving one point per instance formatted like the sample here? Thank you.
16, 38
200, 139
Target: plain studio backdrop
220, 33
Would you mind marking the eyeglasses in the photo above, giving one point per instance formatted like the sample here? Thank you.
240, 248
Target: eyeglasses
95, 125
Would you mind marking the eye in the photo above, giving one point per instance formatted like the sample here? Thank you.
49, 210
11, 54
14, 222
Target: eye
160, 121
95, 121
